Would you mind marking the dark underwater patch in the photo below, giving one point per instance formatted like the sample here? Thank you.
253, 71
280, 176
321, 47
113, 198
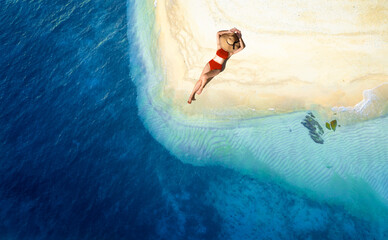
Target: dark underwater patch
315, 129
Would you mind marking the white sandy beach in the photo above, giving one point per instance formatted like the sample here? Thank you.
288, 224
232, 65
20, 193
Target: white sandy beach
299, 54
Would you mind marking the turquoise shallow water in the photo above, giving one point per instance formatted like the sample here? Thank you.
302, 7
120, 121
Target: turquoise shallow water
349, 169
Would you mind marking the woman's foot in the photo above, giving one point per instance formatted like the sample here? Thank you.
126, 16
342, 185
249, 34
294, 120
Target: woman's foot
191, 99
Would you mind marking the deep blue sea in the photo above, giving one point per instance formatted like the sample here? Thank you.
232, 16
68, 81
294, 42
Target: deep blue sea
77, 162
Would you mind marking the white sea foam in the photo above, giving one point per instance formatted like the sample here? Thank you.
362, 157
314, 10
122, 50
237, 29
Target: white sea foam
374, 104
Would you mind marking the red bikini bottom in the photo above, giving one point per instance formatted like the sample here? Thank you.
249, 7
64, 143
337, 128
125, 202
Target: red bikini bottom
214, 65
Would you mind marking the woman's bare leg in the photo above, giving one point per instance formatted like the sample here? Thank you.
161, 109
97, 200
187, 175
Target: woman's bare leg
198, 84
206, 75
195, 89
205, 78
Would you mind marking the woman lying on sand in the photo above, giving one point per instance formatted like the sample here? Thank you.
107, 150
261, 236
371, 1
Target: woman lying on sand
229, 42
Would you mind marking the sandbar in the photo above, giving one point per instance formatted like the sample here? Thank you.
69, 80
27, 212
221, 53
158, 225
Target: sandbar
299, 54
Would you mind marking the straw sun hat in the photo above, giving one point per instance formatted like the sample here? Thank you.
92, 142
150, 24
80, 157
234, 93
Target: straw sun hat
229, 42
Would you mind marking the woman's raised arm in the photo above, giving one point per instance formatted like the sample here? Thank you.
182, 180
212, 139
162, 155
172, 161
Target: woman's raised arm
219, 33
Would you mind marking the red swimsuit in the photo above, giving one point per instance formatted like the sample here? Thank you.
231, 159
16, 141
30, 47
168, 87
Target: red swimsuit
222, 54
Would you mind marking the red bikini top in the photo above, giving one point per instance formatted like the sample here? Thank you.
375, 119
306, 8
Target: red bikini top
222, 53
